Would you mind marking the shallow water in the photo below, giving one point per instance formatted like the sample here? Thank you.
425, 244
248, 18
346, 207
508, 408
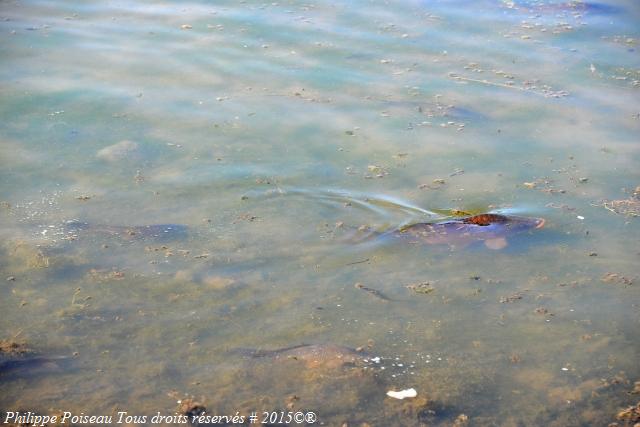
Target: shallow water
270, 131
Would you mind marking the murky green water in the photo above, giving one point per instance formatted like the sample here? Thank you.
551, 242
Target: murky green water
271, 131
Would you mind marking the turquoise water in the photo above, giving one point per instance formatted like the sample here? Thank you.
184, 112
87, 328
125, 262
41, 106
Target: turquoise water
271, 131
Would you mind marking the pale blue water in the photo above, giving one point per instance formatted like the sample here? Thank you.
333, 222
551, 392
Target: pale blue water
270, 132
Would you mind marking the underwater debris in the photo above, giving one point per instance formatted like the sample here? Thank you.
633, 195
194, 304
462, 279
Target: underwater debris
511, 298
616, 278
191, 408
402, 394
627, 207
630, 414
421, 288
